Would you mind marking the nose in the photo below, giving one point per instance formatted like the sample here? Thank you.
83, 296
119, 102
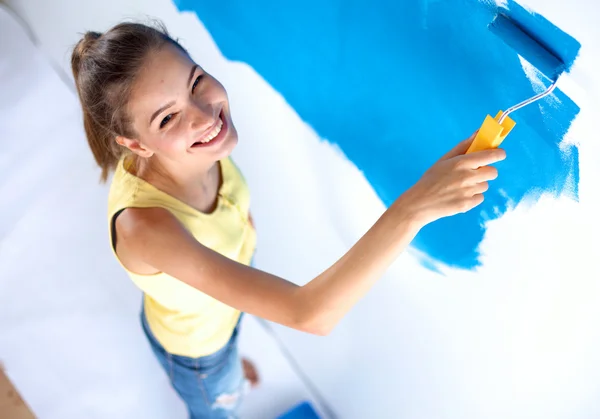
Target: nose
202, 118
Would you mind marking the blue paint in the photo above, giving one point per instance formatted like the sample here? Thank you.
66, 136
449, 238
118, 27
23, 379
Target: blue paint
302, 411
397, 84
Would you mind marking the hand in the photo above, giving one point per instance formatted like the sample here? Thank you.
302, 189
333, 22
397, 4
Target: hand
454, 184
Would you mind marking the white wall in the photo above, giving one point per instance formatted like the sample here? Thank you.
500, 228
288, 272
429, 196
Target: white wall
516, 339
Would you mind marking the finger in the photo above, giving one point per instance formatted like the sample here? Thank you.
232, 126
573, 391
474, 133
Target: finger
479, 188
472, 202
485, 173
460, 148
482, 158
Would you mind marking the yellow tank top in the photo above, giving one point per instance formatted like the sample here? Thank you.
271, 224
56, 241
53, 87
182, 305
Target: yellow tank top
184, 320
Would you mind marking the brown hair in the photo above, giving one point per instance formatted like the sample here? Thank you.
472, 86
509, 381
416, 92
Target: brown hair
104, 67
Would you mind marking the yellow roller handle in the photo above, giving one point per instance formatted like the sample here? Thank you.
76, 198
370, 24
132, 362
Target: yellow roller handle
491, 134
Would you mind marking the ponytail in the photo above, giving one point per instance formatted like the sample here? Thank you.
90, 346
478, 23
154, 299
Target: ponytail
101, 141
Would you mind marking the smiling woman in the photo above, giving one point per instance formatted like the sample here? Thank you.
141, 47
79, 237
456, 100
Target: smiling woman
179, 213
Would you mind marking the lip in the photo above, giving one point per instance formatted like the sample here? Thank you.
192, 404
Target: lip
219, 138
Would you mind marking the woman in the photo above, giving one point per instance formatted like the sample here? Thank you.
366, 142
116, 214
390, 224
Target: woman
179, 218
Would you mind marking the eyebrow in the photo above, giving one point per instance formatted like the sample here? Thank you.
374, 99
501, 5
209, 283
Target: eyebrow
160, 110
171, 103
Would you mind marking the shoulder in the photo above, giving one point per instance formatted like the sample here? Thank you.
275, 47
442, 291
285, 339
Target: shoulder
134, 224
150, 239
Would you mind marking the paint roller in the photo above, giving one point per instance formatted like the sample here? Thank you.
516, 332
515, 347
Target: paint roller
494, 130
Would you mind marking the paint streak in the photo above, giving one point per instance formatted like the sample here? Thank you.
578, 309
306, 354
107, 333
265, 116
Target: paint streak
396, 84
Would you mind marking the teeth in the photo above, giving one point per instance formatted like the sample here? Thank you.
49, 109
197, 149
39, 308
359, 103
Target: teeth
214, 132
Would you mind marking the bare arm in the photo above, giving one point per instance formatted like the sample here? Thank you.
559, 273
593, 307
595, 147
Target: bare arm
156, 238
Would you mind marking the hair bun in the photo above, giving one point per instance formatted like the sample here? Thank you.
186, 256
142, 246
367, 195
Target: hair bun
83, 46
88, 40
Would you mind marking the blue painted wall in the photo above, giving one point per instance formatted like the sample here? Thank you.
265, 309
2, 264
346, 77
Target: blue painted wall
395, 84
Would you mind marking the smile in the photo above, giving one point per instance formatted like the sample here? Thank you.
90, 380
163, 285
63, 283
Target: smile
214, 135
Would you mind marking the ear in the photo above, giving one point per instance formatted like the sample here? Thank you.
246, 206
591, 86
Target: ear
135, 146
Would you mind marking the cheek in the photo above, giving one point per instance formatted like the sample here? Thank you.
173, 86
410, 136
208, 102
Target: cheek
176, 141
172, 142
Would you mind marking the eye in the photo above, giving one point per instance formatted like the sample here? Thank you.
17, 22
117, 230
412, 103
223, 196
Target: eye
166, 120
196, 82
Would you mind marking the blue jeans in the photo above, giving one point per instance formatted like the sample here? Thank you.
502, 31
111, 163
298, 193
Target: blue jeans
211, 386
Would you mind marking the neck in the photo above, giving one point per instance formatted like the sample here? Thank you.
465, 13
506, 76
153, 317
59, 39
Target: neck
176, 176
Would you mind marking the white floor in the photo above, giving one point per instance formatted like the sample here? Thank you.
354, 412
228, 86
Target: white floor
516, 339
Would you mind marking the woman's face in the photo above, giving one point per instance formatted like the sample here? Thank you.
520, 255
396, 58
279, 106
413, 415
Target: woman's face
180, 113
